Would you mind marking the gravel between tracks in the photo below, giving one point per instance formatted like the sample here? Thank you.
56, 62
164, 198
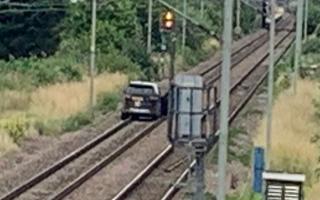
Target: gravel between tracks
234, 168
38, 153
64, 176
160, 179
247, 120
156, 184
106, 183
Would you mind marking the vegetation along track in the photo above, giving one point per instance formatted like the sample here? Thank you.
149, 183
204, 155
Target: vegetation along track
37, 178
161, 181
44, 193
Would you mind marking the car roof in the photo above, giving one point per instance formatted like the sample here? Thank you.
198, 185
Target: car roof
146, 83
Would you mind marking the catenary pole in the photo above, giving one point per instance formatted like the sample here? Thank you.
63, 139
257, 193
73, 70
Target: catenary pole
93, 53
184, 26
149, 43
306, 19
238, 20
201, 8
225, 87
298, 44
270, 84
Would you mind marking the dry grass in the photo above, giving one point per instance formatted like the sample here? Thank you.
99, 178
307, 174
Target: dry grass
63, 100
6, 143
313, 193
293, 127
50, 103
57, 101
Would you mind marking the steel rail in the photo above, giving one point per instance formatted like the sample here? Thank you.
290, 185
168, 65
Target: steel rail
139, 178
242, 47
217, 77
106, 161
248, 72
64, 161
174, 189
84, 177
144, 173
77, 153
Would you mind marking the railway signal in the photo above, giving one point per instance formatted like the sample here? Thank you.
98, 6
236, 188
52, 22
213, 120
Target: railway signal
167, 21
265, 11
167, 25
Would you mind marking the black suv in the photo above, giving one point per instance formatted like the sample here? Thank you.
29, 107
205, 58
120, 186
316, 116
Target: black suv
141, 99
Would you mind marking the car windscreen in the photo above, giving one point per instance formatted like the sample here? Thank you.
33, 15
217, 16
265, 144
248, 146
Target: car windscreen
140, 90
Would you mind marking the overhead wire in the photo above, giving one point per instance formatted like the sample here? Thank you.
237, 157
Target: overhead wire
14, 7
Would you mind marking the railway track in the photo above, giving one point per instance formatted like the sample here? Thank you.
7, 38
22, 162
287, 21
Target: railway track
28, 190
174, 188
158, 179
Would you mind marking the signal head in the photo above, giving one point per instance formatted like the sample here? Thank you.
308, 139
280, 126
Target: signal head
167, 21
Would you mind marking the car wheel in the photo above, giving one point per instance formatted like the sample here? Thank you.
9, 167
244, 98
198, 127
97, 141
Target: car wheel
124, 116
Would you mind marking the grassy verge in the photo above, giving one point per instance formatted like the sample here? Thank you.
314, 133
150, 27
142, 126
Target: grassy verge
294, 126
54, 109
245, 194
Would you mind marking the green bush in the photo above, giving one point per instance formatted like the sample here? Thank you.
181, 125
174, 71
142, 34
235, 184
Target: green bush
33, 72
108, 102
16, 128
15, 81
114, 62
77, 121
209, 196
312, 46
245, 193
48, 127
193, 57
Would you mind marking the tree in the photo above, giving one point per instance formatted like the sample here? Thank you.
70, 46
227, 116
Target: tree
28, 33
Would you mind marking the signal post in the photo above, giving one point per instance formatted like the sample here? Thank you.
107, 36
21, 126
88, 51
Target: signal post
167, 27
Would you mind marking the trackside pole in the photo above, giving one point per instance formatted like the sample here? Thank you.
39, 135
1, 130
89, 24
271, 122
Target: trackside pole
298, 44
93, 53
149, 49
270, 85
306, 19
225, 86
201, 9
199, 176
238, 21
184, 26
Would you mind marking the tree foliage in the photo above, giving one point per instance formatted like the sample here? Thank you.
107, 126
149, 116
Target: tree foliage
313, 15
52, 42
29, 33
